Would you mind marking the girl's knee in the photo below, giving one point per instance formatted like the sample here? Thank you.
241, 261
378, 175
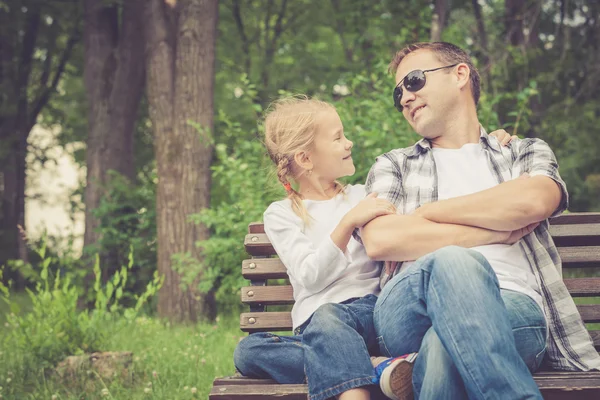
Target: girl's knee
248, 351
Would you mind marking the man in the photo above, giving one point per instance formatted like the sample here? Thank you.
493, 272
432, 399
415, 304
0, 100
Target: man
482, 319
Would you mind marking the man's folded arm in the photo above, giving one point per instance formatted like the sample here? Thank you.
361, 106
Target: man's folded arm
513, 204
408, 237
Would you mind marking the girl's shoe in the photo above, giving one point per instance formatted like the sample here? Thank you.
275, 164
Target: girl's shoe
394, 376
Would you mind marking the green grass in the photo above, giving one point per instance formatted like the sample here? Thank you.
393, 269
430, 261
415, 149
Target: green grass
170, 362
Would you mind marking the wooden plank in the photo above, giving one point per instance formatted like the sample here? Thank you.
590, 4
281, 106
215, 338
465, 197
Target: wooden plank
583, 286
580, 256
268, 295
589, 312
576, 218
256, 227
266, 321
258, 244
263, 268
571, 381
255, 392
576, 234
571, 218
575, 230
239, 379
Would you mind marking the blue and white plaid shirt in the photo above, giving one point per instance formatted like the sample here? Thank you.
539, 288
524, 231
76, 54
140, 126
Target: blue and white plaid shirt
408, 179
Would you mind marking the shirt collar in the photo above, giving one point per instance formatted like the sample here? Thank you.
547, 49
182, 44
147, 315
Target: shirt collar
424, 145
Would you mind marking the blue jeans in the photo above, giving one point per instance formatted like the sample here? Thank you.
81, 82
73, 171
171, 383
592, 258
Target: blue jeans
330, 350
474, 340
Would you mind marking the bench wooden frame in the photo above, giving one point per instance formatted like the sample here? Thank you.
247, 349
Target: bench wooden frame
577, 237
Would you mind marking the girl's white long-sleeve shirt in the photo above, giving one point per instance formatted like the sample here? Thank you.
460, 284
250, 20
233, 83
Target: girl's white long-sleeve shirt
319, 271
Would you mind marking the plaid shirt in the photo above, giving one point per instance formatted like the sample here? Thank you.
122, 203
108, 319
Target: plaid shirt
408, 179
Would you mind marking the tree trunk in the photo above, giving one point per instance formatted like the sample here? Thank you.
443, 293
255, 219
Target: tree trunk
483, 44
514, 14
114, 79
438, 21
27, 83
12, 218
180, 65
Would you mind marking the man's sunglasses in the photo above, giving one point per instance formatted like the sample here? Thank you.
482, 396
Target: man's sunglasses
413, 82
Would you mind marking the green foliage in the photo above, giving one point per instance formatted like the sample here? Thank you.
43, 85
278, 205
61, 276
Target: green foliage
244, 183
54, 327
169, 362
127, 215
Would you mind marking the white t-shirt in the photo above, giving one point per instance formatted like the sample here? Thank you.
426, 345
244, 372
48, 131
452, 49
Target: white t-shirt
465, 171
319, 271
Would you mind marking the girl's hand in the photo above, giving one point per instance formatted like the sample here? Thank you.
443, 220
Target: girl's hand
503, 137
369, 208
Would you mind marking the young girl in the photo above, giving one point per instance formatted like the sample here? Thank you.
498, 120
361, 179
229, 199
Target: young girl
335, 283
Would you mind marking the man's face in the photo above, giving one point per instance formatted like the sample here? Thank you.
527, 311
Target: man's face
427, 109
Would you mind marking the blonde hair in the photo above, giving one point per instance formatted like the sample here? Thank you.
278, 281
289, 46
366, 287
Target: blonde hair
290, 126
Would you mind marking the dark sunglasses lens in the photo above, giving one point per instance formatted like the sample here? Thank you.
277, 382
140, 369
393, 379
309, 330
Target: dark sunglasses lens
414, 81
397, 98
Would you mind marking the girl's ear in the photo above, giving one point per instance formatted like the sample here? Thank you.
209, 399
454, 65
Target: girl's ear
303, 159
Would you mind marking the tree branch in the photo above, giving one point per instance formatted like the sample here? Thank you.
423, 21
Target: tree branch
43, 98
240, 26
25, 60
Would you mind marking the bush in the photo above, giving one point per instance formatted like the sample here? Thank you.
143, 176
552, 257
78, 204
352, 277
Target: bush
55, 328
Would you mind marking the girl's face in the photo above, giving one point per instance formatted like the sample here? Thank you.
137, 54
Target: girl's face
332, 154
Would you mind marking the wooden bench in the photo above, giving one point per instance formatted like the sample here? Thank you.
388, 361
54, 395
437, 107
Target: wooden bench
577, 237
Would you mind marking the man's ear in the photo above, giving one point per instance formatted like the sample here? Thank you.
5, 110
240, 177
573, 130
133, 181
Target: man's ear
304, 160
463, 75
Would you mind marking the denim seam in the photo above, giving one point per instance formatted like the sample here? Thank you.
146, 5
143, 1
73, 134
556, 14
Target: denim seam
342, 387
459, 353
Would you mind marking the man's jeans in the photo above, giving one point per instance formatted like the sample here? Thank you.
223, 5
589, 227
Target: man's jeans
474, 340
331, 350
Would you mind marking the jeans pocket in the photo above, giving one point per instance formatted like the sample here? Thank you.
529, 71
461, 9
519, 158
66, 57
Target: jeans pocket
382, 347
539, 357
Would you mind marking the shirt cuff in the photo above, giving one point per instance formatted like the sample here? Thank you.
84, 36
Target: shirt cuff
564, 198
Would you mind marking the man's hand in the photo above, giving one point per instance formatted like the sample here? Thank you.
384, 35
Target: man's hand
514, 236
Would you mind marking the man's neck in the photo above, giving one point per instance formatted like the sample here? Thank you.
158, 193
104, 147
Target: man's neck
459, 131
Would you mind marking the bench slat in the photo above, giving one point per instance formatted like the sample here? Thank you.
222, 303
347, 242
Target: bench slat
269, 295
248, 388
590, 313
266, 321
580, 256
576, 256
258, 244
263, 268
273, 268
576, 218
255, 392
572, 218
573, 230
583, 286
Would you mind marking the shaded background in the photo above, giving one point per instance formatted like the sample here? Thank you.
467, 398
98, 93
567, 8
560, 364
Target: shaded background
133, 127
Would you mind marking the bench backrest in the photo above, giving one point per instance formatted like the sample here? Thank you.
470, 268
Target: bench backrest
576, 235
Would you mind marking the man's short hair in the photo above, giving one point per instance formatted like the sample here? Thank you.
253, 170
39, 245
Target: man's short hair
445, 52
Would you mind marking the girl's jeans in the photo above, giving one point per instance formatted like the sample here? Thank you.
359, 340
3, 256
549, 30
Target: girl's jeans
330, 350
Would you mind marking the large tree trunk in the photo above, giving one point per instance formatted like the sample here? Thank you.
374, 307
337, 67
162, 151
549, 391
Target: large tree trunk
114, 79
27, 83
181, 58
